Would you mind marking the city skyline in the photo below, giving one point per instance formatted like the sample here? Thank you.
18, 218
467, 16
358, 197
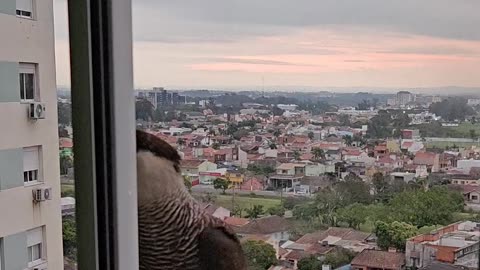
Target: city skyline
244, 44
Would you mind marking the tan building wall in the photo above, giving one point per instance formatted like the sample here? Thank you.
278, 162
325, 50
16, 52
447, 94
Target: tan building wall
32, 41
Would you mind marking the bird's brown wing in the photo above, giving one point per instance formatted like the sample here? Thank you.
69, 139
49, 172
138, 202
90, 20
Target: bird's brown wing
220, 249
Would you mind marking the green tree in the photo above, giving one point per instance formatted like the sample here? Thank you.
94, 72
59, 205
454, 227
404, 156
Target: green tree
344, 120
296, 155
326, 204
159, 115
426, 208
381, 187
260, 255
473, 134
68, 193
220, 183
144, 109
454, 108
277, 210
255, 211
69, 232
318, 153
354, 215
364, 105
309, 263
348, 140
277, 111
66, 163
353, 190
380, 126
237, 211
394, 234
188, 183
306, 211
311, 135
64, 113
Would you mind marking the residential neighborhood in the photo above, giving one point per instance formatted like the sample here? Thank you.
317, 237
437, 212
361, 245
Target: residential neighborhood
329, 188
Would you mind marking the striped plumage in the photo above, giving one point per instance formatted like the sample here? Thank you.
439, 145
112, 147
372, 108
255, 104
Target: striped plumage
174, 232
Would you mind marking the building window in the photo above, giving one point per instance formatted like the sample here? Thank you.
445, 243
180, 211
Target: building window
31, 165
28, 83
25, 9
35, 247
474, 197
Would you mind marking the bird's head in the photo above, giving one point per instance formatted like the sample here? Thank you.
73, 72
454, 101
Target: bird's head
158, 168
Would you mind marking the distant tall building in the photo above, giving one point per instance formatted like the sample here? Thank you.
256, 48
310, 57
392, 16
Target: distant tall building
158, 96
404, 98
30, 208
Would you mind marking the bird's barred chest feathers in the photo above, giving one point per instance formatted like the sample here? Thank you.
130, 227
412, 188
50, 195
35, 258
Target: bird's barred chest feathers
168, 234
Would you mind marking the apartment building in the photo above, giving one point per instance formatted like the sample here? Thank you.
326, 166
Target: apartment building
455, 244
30, 226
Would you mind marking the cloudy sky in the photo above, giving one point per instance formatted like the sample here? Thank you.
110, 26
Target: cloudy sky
318, 43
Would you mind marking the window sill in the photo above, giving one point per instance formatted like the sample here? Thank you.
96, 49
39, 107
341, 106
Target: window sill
25, 18
37, 263
27, 101
32, 184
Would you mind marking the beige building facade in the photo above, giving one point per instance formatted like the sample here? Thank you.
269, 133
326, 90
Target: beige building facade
30, 226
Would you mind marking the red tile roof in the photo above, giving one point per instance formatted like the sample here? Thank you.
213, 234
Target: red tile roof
344, 233
66, 143
425, 158
191, 163
386, 160
296, 255
379, 259
265, 225
236, 221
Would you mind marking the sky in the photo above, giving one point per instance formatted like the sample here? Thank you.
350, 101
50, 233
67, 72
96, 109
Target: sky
256, 44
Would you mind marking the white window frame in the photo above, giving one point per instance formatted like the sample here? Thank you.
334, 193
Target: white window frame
32, 175
28, 68
19, 11
35, 238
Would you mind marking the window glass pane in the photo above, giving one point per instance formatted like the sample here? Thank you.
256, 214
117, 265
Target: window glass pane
37, 252
29, 251
22, 86
26, 13
29, 86
25, 177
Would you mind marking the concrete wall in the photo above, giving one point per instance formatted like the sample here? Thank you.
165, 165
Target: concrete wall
31, 41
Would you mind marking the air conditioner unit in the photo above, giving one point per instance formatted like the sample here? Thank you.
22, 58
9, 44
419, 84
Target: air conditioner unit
42, 194
36, 110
